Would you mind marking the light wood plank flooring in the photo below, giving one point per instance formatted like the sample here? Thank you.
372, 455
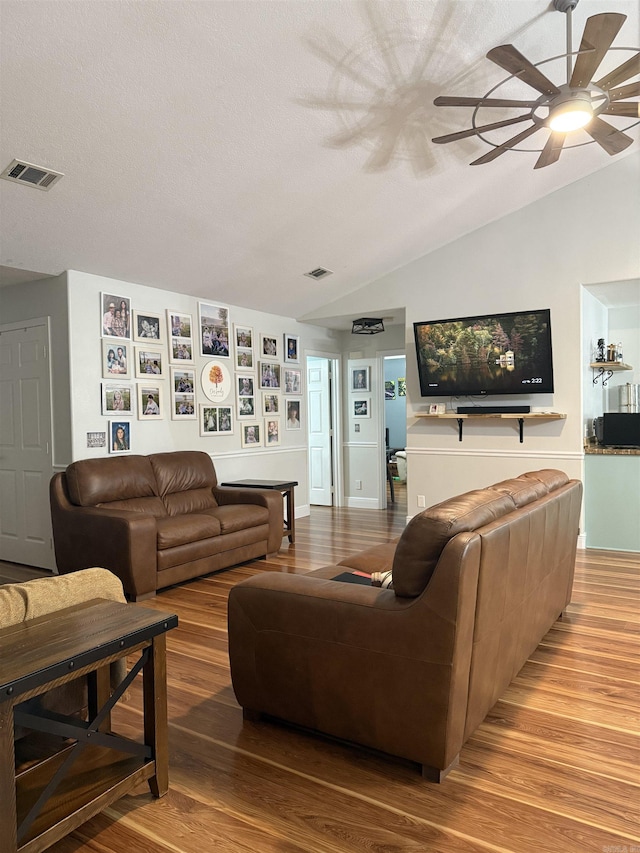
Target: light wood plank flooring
554, 767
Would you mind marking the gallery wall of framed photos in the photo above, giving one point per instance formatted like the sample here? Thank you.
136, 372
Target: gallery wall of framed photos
206, 364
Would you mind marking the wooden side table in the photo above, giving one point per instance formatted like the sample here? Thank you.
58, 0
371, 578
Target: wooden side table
91, 766
287, 489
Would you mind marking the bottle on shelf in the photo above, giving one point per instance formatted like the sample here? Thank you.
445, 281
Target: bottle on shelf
619, 352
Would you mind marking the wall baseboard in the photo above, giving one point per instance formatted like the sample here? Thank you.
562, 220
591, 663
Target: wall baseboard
582, 541
362, 503
302, 511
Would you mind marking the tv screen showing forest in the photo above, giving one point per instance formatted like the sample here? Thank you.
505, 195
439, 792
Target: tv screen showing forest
489, 354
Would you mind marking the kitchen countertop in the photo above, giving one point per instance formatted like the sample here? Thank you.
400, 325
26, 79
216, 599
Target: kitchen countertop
595, 450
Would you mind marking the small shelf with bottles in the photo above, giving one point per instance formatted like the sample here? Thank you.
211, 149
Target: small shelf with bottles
606, 369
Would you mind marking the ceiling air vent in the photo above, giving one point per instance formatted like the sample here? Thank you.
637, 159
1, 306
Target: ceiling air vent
18, 171
319, 272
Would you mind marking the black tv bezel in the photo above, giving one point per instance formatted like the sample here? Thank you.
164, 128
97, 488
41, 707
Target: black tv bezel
463, 392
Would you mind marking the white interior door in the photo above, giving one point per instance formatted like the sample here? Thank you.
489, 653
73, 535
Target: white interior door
25, 447
320, 438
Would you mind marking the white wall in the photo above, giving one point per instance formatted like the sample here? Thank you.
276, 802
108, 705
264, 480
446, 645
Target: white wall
537, 257
287, 461
624, 327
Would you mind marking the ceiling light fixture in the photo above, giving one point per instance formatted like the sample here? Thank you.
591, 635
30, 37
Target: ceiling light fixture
367, 326
570, 112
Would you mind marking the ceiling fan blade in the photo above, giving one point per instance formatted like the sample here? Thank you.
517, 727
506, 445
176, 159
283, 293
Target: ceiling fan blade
597, 38
629, 109
444, 101
613, 141
510, 143
630, 91
628, 69
551, 151
509, 58
463, 134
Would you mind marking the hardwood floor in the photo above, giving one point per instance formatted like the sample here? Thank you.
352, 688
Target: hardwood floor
554, 767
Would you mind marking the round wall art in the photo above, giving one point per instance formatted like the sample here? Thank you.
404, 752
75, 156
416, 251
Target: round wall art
216, 381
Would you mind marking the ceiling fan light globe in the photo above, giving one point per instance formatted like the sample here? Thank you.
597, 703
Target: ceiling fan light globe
570, 117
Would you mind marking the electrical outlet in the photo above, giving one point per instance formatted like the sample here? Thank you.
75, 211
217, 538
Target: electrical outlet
356, 427
421, 500
358, 484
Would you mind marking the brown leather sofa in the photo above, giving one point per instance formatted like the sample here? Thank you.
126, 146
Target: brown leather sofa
158, 520
413, 670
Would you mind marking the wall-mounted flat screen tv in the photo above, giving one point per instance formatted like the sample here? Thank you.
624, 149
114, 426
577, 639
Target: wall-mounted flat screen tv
488, 354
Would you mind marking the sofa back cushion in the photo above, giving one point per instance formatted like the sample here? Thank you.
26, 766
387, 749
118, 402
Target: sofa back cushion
428, 532
91, 482
185, 479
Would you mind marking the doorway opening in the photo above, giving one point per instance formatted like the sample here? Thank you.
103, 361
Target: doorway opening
323, 409
395, 427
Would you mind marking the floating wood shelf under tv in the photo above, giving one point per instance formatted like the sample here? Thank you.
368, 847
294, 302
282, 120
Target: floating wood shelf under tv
540, 416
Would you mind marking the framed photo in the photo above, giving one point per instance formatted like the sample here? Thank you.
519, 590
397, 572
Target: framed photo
244, 359
214, 330
183, 407
150, 401
183, 380
402, 386
272, 431
292, 381
179, 325
216, 382
147, 326
116, 316
360, 379
246, 407
269, 346
115, 359
362, 408
181, 350
117, 399
243, 337
245, 386
251, 434
270, 404
293, 413
119, 437
389, 389
269, 375
291, 348
215, 420
149, 361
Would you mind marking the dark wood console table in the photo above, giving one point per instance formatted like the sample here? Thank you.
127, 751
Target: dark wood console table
287, 489
90, 766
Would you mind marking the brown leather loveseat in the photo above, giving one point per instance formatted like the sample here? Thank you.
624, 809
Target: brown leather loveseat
412, 670
158, 520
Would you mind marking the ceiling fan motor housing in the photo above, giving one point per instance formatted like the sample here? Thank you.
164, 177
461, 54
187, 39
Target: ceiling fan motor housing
564, 5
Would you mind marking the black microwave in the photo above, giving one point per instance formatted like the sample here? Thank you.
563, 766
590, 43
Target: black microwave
618, 429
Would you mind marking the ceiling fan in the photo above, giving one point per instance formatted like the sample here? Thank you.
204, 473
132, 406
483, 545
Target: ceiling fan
579, 103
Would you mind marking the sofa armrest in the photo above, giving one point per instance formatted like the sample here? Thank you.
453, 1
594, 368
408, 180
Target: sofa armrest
272, 500
123, 542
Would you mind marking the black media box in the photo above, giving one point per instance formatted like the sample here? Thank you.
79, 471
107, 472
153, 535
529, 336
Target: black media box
619, 429
493, 410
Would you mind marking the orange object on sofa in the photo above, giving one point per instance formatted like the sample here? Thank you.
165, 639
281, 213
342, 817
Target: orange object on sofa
413, 670
158, 520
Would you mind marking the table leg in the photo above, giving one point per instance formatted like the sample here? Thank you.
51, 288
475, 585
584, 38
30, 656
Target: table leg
8, 814
154, 680
291, 516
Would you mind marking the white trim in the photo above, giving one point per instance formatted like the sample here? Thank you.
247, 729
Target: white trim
245, 454
582, 541
363, 503
302, 511
360, 444
498, 454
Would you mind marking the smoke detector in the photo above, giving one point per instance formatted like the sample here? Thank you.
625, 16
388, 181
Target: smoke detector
38, 177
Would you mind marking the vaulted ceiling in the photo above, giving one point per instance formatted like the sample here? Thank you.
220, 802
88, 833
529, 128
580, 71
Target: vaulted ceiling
224, 148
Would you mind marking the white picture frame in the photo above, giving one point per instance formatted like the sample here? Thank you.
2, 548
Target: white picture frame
183, 380
215, 420
245, 359
292, 406
269, 375
113, 323
269, 346
149, 361
251, 435
183, 407
150, 403
272, 430
362, 407
243, 337
271, 404
148, 327
291, 348
246, 408
213, 323
117, 399
216, 380
116, 359
292, 380
360, 379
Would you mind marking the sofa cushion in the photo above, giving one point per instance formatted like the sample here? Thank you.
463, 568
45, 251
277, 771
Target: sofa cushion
551, 477
181, 472
427, 533
376, 559
182, 529
235, 517
193, 500
100, 481
147, 506
522, 491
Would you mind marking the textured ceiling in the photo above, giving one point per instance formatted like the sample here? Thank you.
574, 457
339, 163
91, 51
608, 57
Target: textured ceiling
223, 149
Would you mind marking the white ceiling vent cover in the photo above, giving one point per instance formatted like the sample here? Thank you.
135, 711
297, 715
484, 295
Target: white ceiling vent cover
39, 177
319, 272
